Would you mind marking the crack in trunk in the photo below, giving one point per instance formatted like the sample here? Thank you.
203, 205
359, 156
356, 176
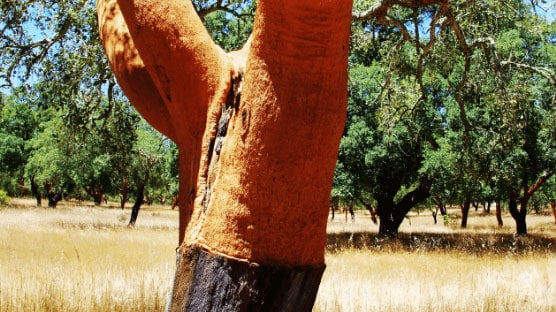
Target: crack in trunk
215, 148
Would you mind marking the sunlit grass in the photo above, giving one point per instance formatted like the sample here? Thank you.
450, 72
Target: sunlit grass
50, 263
83, 258
362, 281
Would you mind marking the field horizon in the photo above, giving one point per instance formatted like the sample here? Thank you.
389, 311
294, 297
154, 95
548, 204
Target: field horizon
83, 257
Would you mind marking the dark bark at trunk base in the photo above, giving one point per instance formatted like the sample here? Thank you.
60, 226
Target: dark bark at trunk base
209, 282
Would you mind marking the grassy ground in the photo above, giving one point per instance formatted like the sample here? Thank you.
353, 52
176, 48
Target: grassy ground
82, 258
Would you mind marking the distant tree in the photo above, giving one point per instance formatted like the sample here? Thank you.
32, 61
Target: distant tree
147, 168
48, 165
17, 128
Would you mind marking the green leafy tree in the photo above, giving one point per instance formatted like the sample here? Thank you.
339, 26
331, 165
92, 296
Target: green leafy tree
147, 170
17, 128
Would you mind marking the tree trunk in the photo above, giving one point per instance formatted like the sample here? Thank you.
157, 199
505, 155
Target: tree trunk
137, 205
553, 207
519, 215
499, 213
334, 203
392, 215
35, 191
236, 285
98, 195
124, 194
174, 202
54, 198
487, 206
388, 225
465, 213
256, 171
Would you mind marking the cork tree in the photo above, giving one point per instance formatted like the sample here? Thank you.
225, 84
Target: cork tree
258, 132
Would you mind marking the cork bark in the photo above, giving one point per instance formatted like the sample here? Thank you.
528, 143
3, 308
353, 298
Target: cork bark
257, 129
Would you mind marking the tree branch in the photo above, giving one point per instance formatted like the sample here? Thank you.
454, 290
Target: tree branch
381, 7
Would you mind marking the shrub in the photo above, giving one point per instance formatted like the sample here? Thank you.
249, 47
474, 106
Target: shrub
4, 199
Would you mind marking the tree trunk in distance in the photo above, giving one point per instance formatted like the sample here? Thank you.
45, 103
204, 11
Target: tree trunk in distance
499, 213
137, 205
54, 198
174, 202
124, 194
487, 206
465, 213
35, 191
387, 224
519, 215
553, 207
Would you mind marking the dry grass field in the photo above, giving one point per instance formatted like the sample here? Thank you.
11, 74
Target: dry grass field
83, 258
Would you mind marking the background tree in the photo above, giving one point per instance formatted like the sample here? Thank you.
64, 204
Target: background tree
147, 166
17, 128
458, 69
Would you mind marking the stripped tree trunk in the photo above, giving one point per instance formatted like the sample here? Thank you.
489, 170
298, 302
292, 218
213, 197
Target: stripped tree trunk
258, 132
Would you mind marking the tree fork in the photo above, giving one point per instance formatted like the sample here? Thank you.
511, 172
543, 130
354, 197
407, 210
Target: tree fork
256, 202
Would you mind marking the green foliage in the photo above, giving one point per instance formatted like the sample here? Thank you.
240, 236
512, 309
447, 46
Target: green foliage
230, 28
4, 199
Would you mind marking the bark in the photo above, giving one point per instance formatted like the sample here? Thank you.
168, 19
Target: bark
124, 194
257, 193
174, 202
35, 191
334, 204
392, 215
351, 212
465, 213
519, 215
553, 207
137, 205
486, 206
97, 197
96, 193
499, 213
54, 198
236, 285
388, 224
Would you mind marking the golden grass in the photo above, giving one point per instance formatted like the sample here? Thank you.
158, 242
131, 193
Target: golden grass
83, 258
361, 281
